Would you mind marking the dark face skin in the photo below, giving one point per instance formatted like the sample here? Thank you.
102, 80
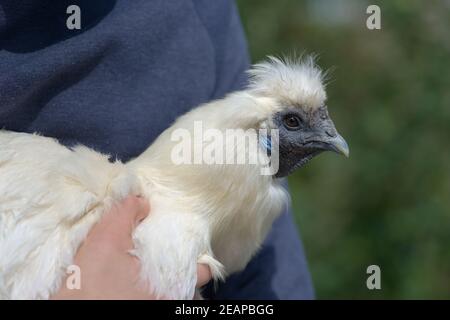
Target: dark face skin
303, 135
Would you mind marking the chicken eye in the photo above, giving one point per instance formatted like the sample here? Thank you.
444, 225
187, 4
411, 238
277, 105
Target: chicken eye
292, 122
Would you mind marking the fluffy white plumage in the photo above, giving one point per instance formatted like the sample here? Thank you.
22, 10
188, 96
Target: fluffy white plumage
50, 196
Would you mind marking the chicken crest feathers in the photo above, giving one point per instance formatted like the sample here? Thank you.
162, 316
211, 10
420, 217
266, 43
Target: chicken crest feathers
293, 80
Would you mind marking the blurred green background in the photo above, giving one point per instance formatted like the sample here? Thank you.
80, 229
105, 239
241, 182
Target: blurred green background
389, 203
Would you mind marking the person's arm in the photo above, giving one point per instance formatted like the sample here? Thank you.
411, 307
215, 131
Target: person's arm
108, 271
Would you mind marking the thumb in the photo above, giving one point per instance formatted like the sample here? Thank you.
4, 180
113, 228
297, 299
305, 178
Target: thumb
117, 224
120, 221
135, 209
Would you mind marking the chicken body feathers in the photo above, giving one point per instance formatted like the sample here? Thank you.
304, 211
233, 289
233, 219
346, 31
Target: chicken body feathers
50, 197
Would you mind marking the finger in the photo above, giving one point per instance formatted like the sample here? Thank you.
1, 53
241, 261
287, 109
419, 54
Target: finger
203, 274
134, 210
117, 224
144, 210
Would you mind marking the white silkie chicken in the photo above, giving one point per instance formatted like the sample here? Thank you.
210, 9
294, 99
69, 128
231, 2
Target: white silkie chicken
217, 214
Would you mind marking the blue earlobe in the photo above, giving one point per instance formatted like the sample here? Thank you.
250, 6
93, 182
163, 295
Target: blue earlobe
266, 143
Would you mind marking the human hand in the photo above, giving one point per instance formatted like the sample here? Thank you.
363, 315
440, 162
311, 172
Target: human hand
108, 271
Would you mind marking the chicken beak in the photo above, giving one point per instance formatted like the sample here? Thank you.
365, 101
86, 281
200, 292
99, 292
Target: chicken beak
338, 145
